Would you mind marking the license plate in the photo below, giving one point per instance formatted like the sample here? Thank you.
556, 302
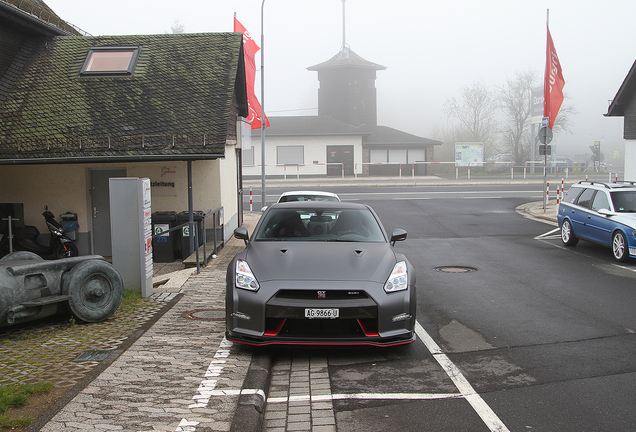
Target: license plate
322, 313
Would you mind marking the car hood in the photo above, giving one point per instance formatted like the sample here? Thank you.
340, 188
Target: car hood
343, 261
628, 219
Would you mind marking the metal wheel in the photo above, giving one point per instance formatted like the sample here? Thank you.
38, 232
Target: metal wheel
95, 289
567, 236
619, 246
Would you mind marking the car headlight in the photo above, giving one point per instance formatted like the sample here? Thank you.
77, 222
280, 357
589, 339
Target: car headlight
398, 281
244, 277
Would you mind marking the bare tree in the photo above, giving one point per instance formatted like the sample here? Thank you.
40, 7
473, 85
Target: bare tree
475, 111
514, 100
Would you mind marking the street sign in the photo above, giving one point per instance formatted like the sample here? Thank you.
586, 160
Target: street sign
545, 150
545, 135
545, 121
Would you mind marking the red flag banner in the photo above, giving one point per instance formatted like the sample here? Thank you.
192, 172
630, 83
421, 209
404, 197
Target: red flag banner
250, 49
553, 83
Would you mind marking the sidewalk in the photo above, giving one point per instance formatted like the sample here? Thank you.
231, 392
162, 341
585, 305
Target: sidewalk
180, 374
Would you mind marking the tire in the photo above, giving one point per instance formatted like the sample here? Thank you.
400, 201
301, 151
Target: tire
65, 250
567, 235
21, 255
619, 247
95, 289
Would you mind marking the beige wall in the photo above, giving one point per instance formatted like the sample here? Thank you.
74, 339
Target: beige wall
61, 187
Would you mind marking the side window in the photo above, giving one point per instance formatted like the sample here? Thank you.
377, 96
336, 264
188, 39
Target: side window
585, 199
573, 194
600, 201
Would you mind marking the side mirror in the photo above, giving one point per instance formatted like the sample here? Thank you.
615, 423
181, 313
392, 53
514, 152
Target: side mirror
605, 212
242, 234
398, 235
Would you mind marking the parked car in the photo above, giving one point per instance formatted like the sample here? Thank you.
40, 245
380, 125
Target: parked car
306, 196
320, 273
604, 213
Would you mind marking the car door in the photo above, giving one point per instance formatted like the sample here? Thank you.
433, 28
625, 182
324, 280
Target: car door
598, 225
580, 213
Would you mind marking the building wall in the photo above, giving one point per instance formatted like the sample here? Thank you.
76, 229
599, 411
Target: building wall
314, 155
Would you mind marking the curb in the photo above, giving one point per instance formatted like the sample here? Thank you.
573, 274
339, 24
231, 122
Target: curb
250, 411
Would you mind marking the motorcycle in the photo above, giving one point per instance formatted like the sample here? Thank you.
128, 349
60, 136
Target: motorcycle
26, 239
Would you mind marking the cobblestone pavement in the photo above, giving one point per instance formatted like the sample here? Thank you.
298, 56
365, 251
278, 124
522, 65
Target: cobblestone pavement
300, 394
35, 353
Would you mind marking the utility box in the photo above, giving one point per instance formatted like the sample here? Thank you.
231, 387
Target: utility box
131, 232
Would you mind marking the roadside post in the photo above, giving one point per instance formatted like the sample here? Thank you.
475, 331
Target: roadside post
545, 137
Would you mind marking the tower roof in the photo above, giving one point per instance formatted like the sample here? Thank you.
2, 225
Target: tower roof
346, 58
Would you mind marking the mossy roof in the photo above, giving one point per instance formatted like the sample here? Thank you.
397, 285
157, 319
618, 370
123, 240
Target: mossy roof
177, 104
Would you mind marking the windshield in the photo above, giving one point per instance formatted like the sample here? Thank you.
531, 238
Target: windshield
355, 225
624, 201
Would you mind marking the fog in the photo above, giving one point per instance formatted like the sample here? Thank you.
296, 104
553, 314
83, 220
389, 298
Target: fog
430, 49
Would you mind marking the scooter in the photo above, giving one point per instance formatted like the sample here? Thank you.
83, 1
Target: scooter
26, 239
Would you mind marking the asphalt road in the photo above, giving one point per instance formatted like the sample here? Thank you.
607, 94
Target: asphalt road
516, 331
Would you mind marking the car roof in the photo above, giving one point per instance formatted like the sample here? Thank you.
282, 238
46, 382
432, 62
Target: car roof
308, 192
623, 185
320, 205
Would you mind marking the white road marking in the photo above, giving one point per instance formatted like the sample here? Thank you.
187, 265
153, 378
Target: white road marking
206, 386
482, 409
549, 235
364, 396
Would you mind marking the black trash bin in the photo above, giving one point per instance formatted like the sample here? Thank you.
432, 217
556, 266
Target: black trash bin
164, 248
184, 232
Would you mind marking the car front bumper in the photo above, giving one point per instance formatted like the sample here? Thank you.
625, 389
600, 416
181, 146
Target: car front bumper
275, 314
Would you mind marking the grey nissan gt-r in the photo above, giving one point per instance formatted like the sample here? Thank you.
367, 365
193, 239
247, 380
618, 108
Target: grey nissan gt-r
320, 273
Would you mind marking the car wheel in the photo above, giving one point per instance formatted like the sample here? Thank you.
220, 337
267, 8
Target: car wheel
567, 236
21, 255
95, 289
65, 250
619, 246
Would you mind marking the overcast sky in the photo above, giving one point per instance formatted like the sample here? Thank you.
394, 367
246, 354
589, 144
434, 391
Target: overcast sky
431, 49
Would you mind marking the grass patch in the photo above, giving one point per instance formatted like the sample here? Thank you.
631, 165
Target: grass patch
15, 396
131, 301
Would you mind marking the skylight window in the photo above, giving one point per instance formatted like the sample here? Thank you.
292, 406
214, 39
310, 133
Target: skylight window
110, 61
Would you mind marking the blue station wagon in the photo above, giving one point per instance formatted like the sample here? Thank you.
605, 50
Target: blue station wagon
603, 213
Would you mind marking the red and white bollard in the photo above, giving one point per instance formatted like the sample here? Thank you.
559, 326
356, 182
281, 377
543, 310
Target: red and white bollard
250, 199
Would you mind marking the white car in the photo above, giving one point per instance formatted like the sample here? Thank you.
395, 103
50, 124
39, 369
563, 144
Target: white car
306, 196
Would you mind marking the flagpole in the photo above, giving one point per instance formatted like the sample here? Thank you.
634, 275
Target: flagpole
545, 153
263, 203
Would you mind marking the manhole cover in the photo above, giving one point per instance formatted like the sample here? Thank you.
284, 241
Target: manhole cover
205, 314
455, 269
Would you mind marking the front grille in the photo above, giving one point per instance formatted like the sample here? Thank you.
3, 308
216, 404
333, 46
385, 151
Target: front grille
328, 294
